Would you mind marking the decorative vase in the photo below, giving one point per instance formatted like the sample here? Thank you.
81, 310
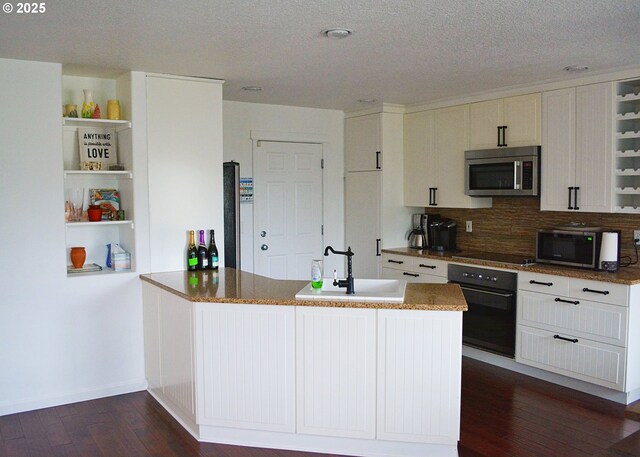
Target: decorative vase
88, 106
113, 110
78, 256
96, 112
95, 213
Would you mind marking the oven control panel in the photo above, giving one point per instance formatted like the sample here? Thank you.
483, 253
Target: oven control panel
480, 276
499, 279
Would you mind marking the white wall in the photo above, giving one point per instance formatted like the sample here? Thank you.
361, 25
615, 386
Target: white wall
61, 339
239, 119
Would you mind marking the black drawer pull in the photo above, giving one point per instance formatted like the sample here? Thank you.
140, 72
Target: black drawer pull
433, 267
603, 292
572, 302
548, 284
415, 275
399, 262
570, 340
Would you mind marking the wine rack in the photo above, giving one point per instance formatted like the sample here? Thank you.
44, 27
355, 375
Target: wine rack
627, 155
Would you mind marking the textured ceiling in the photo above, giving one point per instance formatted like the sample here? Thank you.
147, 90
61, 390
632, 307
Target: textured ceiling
401, 51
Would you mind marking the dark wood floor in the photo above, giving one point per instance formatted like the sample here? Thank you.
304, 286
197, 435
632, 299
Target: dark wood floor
503, 414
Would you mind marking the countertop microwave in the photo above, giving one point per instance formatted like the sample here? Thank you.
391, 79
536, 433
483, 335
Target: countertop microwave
502, 172
572, 248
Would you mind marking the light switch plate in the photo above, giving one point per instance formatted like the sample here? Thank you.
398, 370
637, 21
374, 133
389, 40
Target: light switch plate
470, 226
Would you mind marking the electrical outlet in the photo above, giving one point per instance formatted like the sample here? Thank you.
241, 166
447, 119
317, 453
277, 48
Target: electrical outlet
470, 227
636, 237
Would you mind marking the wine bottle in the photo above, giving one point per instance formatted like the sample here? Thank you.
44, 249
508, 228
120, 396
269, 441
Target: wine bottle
192, 253
213, 252
203, 254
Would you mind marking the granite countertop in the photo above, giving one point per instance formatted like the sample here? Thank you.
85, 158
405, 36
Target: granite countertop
229, 285
628, 276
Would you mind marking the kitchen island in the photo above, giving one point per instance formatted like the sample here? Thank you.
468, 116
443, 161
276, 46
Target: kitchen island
236, 359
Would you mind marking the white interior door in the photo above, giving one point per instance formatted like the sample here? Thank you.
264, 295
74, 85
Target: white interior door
287, 208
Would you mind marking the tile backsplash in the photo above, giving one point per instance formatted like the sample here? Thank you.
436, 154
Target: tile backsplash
510, 226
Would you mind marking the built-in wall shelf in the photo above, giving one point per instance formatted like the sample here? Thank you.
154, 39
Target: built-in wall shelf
105, 123
124, 174
627, 157
98, 224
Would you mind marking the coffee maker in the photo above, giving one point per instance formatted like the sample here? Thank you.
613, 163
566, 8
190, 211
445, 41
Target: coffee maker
418, 238
442, 234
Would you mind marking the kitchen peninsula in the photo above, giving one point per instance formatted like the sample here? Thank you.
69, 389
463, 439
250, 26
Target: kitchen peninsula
236, 359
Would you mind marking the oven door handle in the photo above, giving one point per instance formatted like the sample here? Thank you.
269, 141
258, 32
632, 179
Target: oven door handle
482, 291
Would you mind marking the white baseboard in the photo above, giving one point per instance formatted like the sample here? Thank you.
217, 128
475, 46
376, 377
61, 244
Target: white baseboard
510, 364
30, 404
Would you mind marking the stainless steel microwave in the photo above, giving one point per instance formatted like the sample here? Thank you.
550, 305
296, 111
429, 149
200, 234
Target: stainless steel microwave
573, 248
502, 172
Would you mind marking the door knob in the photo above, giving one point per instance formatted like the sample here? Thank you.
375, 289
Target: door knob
264, 247
263, 234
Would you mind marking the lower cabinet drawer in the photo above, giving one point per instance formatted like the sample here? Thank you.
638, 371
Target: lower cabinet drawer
582, 318
566, 354
410, 276
399, 262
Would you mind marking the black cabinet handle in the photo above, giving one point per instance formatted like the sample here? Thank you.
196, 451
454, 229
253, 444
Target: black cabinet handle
415, 275
570, 340
399, 262
499, 128
378, 254
575, 198
504, 136
435, 189
571, 302
377, 160
569, 204
603, 292
433, 267
430, 196
548, 284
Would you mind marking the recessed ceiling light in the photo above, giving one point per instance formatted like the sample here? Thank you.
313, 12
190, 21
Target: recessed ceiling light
337, 33
252, 88
367, 100
575, 68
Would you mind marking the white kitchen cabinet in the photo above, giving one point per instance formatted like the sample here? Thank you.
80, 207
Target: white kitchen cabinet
577, 149
246, 360
375, 216
419, 366
414, 269
512, 121
435, 142
336, 370
362, 140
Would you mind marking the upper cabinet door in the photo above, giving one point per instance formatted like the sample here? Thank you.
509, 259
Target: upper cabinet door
512, 122
362, 147
558, 160
484, 120
522, 117
594, 147
419, 163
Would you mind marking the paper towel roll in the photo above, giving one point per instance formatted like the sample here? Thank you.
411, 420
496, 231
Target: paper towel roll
609, 250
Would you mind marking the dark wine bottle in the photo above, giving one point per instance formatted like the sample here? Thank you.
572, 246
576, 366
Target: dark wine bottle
192, 253
203, 254
213, 252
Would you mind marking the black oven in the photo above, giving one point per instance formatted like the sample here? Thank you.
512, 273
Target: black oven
490, 322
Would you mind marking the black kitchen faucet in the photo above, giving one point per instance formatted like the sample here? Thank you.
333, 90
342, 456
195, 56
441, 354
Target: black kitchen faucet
348, 283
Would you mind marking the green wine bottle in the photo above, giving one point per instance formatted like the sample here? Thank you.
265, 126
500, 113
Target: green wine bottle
192, 253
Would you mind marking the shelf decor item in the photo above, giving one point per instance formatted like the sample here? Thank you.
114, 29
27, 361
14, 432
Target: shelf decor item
95, 213
108, 200
71, 110
78, 255
113, 110
98, 145
88, 106
96, 113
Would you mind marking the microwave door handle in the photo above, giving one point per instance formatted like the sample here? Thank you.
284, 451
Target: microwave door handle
517, 174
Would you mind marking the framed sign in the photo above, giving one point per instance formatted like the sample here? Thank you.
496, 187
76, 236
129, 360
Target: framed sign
98, 145
246, 190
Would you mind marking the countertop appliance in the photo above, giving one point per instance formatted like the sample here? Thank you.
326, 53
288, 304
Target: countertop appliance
418, 237
442, 234
231, 201
502, 172
490, 322
577, 246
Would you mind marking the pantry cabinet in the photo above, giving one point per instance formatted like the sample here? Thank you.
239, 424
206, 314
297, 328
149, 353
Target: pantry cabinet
435, 142
505, 122
577, 149
374, 214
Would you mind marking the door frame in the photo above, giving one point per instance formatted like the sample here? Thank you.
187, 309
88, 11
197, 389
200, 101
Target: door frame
287, 137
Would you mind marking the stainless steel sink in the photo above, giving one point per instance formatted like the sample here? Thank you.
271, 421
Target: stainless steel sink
373, 290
